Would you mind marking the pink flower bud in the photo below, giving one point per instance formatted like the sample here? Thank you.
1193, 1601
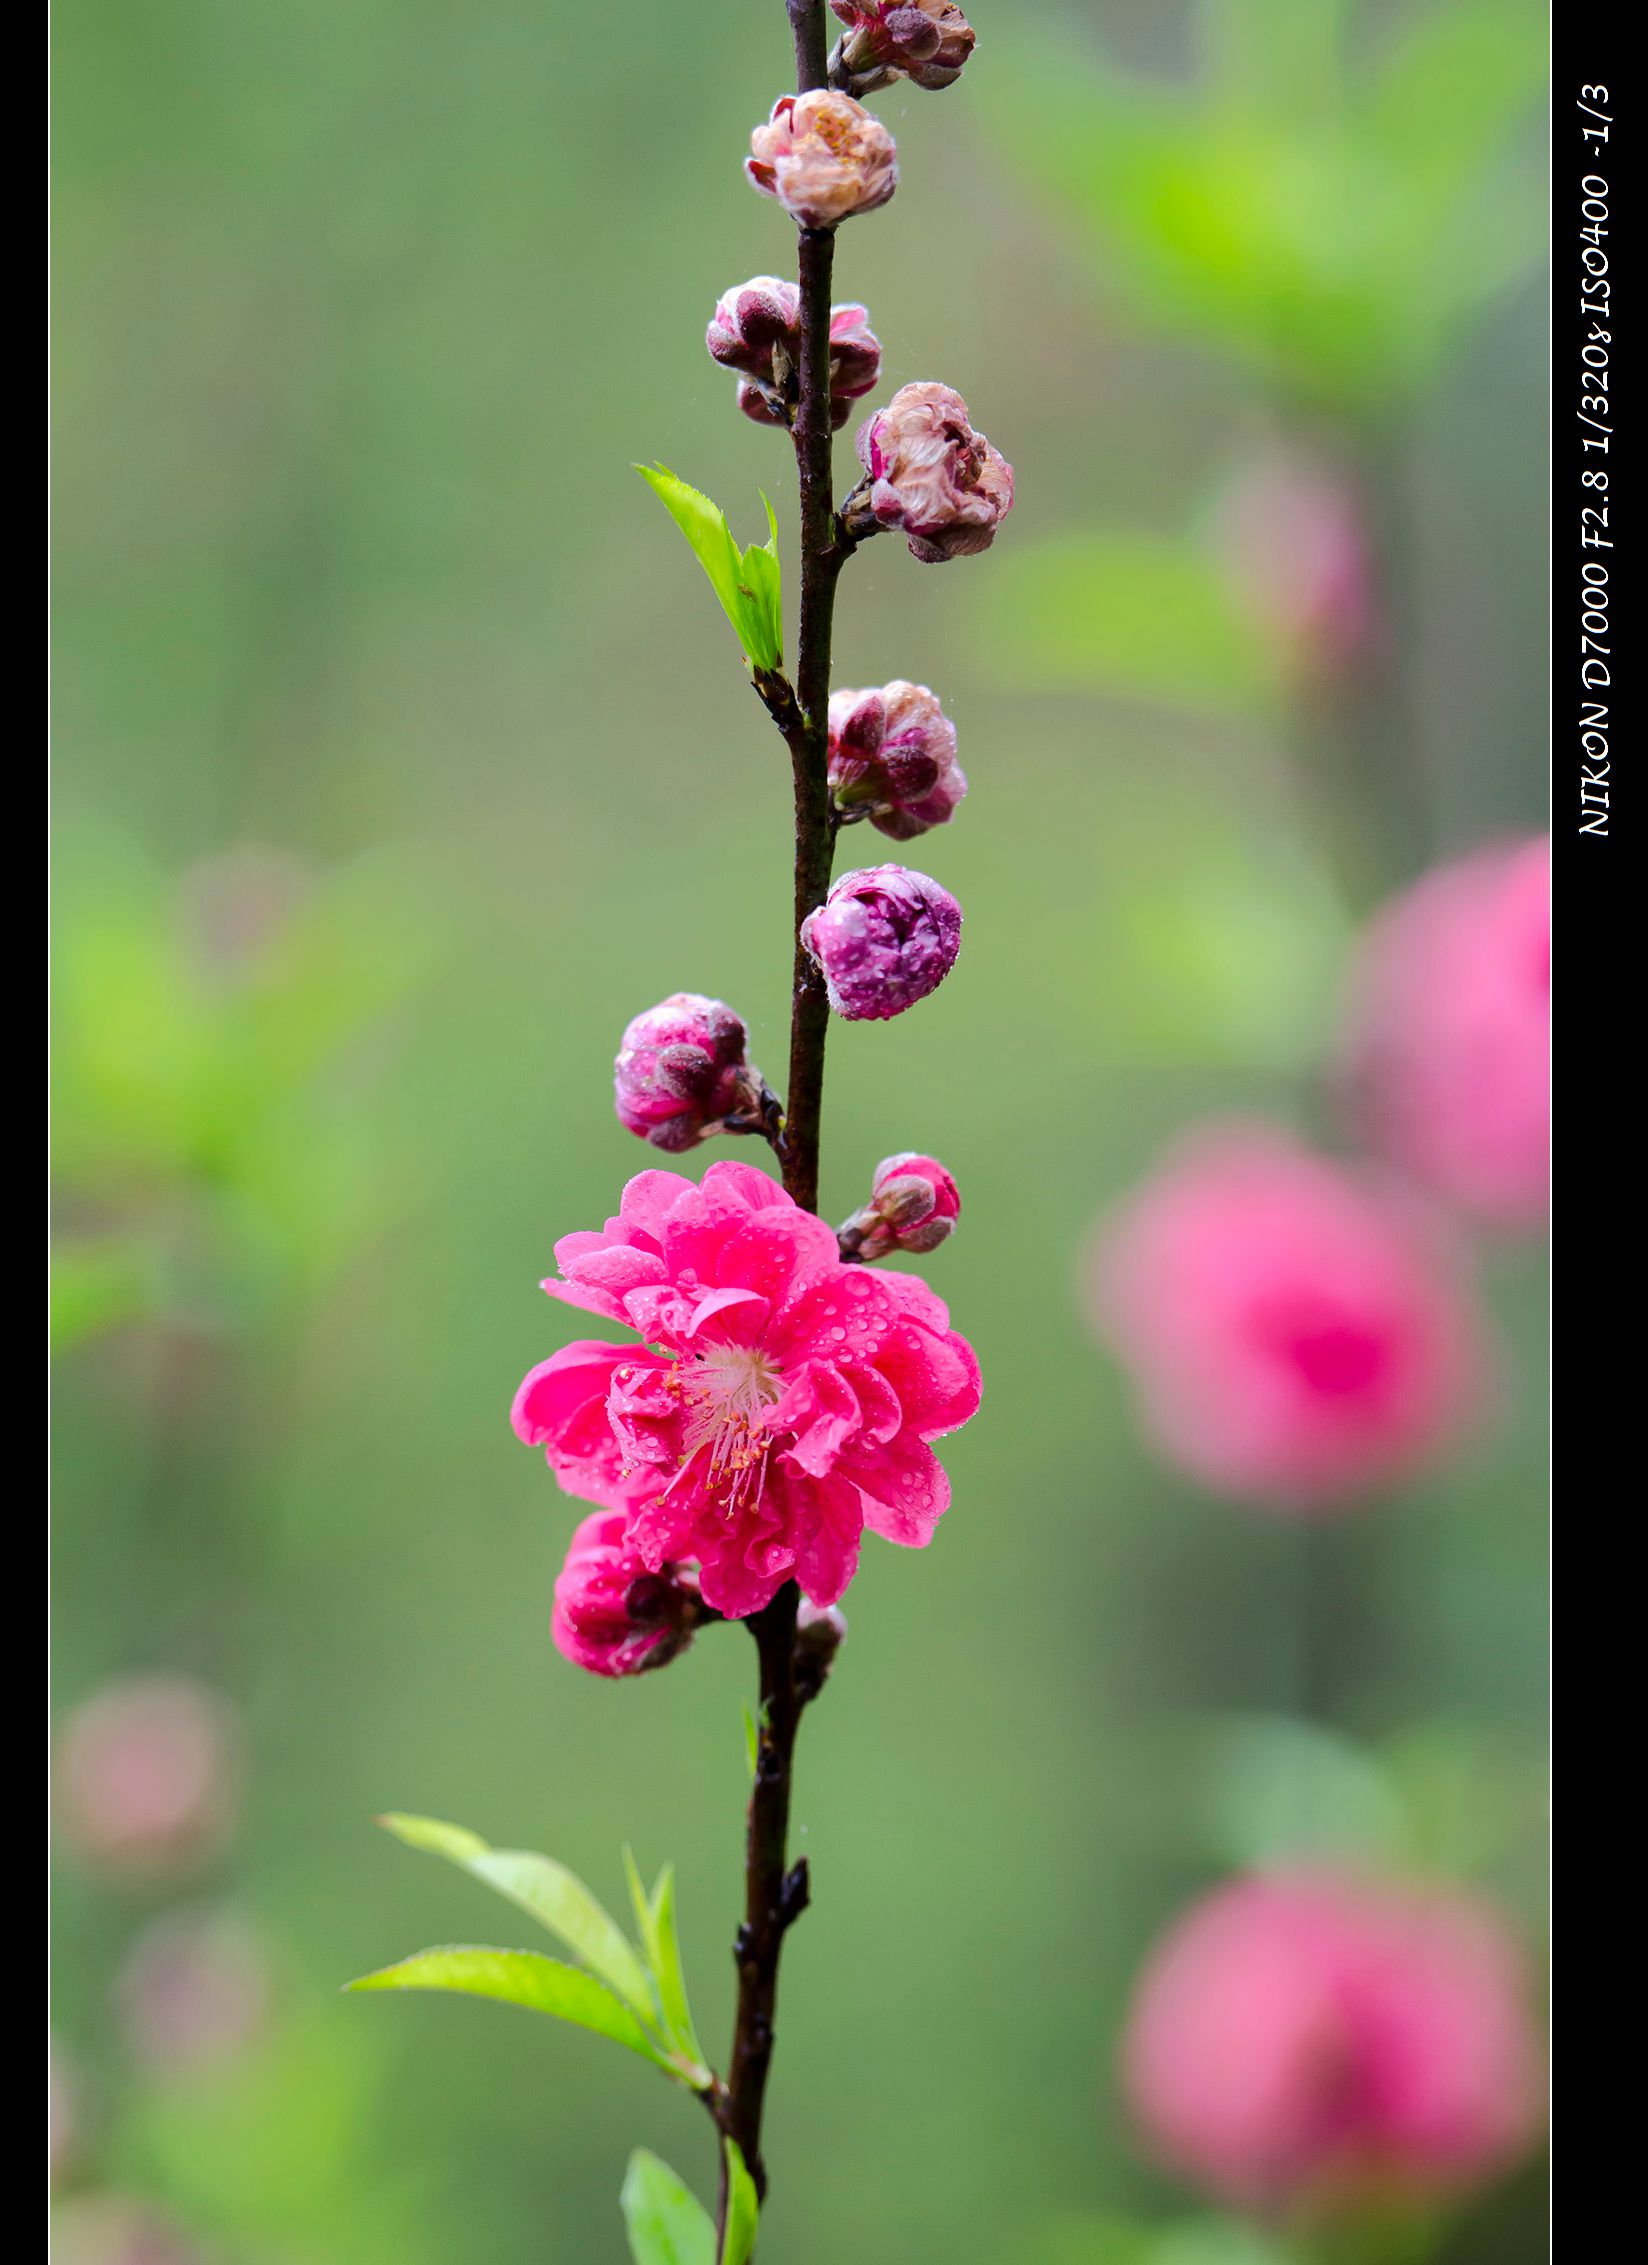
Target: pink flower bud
1300, 1332
756, 330
926, 41
146, 1777
823, 157
913, 1206
681, 1072
1309, 2039
883, 937
930, 474
893, 759
611, 1615
1449, 1050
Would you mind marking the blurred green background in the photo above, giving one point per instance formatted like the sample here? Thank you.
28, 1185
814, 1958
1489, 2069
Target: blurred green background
403, 756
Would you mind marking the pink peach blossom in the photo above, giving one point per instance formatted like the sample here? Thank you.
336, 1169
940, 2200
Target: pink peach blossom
612, 1616
779, 1400
931, 475
884, 937
681, 1072
914, 1205
893, 759
756, 330
195, 1992
824, 157
925, 41
1449, 1066
1314, 2039
1297, 1329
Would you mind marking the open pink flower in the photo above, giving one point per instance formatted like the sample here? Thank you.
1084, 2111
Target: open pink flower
1449, 1050
1297, 1329
1314, 2038
779, 1400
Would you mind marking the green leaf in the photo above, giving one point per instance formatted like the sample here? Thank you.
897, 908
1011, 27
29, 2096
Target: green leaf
666, 2224
752, 1737
655, 1917
743, 2209
524, 1978
555, 1897
748, 583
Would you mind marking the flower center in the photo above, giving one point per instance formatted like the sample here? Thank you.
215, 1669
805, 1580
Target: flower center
727, 1392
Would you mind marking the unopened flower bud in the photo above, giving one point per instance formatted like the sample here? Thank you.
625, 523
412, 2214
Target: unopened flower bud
611, 1615
929, 474
681, 1073
820, 1632
756, 330
823, 157
883, 938
926, 41
913, 1206
893, 759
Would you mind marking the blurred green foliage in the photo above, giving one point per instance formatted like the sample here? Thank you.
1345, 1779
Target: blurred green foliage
367, 629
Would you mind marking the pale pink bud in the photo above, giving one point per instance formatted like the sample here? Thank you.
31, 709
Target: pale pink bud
146, 1776
893, 759
926, 41
913, 1206
1315, 2040
929, 474
1449, 1046
611, 1615
1299, 1330
756, 330
195, 1992
883, 937
681, 1073
823, 157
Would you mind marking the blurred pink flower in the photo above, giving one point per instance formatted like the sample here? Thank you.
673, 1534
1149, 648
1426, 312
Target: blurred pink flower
824, 157
62, 2113
893, 759
1297, 553
611, 1615
1449, 1069
195, 1991
779, 1402
146, 1776
1309, 2038
1297, 1330
884, 938
932, 476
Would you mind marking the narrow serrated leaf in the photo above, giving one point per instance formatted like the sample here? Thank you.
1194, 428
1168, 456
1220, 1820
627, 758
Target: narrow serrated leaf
666, 2224
525, 1978
555, 1897
655, 1921
664, 1946
743, 2209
